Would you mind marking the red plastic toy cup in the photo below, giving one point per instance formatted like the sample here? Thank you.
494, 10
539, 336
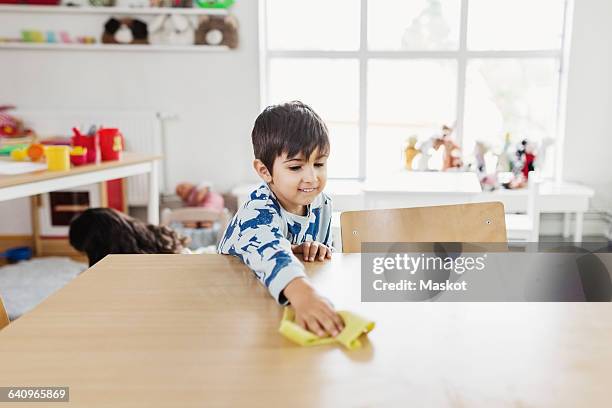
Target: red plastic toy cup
111, 144
89, 143
78, 156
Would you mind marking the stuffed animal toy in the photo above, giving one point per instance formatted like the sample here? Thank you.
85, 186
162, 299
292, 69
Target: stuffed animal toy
425, 148
172, 29
488, 182
125, 31
529, 160
218, 30
480, 149
410, 152
452, 151
504, 162
199, 196
11, 126
525, 158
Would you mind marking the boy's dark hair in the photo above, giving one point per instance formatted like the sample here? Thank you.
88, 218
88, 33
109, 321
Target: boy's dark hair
102, 231
290, 128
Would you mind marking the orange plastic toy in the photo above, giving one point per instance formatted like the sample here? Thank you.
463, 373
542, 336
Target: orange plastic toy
36, 151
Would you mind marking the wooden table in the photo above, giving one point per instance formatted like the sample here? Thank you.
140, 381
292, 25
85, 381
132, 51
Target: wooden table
199, 330
29, 184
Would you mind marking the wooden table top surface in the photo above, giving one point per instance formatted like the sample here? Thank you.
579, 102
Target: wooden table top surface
199, 330
127, 158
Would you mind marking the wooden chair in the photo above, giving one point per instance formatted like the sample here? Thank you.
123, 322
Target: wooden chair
196, 214
479, 222
4, 320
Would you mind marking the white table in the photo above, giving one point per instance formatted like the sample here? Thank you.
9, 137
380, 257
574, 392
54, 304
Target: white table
419, 189
39, 182
564, 198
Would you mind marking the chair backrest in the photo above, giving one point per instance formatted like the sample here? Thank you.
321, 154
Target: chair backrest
4, 320
479, 222
196, 214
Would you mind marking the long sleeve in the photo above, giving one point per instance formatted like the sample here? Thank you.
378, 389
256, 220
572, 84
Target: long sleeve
255, 236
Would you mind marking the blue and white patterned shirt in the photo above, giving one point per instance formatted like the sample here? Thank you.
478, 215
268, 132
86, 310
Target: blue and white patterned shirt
262, 232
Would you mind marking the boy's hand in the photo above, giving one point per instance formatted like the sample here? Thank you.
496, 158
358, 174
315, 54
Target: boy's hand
312, 312
312, 250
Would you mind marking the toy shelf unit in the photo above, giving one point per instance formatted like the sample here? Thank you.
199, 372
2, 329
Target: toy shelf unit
114, 47
9, 8
78, 28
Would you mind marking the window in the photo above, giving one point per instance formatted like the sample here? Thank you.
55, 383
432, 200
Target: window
379, 72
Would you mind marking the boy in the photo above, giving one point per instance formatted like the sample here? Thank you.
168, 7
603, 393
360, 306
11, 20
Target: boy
289, 213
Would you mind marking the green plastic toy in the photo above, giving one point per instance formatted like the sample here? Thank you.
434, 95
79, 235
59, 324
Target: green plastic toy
217, 4
6, 150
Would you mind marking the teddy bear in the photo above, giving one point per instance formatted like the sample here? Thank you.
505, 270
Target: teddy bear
125, 31
218, 30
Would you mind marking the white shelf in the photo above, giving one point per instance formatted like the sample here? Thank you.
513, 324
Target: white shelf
109, 10
113, 47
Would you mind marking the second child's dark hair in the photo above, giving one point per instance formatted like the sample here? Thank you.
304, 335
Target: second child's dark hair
102, 231
290, 128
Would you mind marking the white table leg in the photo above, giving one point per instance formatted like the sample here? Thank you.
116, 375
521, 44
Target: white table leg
578, 227
566, 224
153, 206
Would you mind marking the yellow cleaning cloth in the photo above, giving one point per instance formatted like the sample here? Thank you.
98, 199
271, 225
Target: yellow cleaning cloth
354, 326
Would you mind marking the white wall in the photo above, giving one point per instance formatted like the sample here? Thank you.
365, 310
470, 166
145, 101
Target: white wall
217, 97
215, 94
588, 140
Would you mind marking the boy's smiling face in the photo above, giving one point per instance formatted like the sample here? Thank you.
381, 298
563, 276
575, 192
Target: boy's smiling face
296, 181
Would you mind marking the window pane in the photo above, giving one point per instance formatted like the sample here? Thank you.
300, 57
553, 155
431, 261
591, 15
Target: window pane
331, 88
414, 25
344, 158
510, 95
313, 24
515, 24
406, 98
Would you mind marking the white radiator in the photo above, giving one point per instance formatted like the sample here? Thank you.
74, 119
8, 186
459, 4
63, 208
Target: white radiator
141, 129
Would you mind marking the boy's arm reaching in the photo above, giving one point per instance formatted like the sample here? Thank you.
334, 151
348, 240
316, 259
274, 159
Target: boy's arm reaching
259, 243
257, 240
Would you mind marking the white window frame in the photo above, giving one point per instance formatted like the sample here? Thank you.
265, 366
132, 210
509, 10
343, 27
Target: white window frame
462, 55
